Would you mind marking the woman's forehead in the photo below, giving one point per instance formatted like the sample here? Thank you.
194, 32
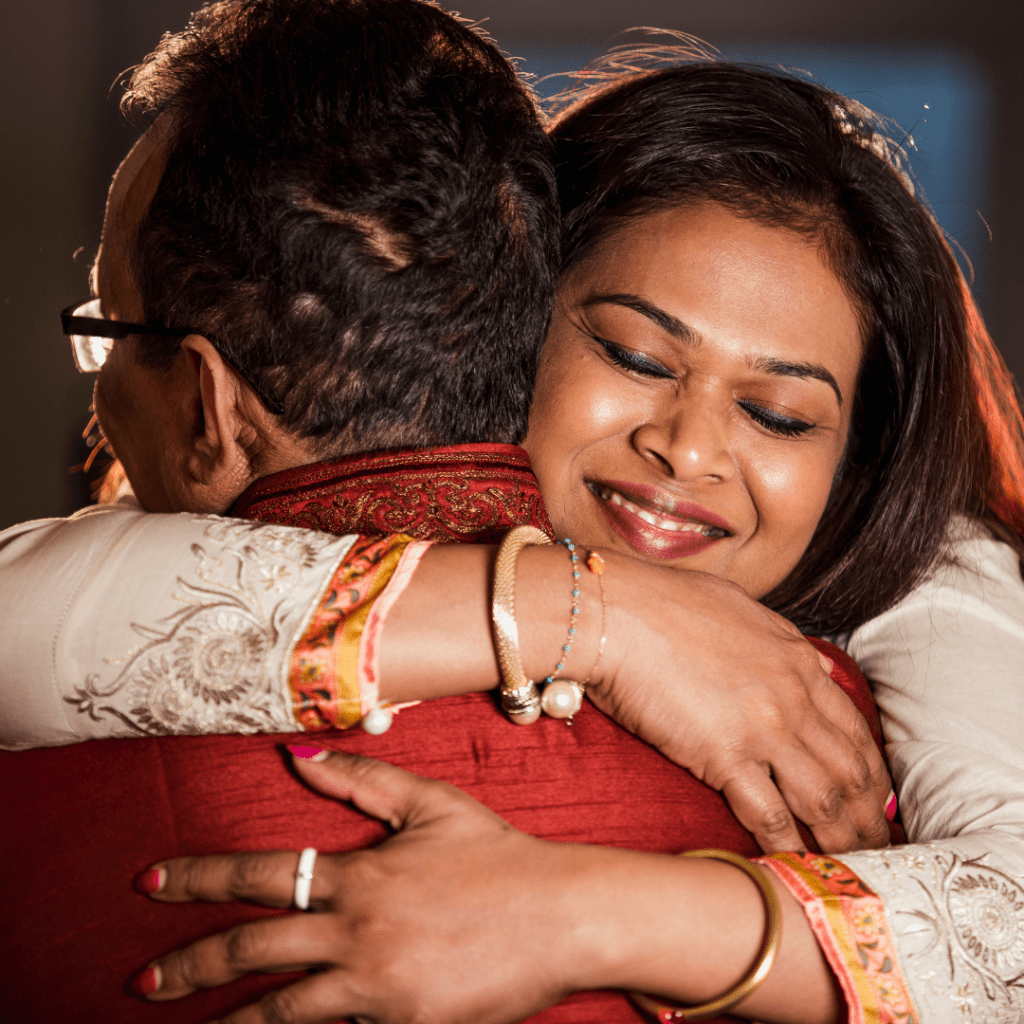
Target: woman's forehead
702, 273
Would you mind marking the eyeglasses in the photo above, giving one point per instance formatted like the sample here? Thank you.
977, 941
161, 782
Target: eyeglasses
92, 337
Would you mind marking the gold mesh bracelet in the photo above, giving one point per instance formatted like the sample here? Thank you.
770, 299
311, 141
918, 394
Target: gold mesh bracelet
520, 698
667, 1012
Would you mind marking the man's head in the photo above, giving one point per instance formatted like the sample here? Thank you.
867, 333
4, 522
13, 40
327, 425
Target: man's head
350, 205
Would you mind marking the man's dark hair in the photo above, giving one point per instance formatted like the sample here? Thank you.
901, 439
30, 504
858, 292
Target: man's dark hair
935, 427
358, 210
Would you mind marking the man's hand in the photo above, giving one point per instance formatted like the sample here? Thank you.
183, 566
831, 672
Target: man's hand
752, 711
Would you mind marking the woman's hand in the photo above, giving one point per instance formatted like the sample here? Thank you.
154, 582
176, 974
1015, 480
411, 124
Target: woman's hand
445, 921
733, 692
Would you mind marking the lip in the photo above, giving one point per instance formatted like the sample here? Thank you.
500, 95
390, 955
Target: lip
680, 528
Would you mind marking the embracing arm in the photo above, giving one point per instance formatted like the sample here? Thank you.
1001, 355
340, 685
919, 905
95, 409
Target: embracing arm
515, 923
949, 665
119, 623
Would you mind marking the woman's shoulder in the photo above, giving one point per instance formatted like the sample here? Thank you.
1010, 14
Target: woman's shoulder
976, 574
973, 562
966, 614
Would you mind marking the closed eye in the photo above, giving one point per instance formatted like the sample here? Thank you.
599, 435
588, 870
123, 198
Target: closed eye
633, 361
786, 426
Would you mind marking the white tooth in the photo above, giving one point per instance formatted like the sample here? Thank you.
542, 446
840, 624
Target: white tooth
672, 525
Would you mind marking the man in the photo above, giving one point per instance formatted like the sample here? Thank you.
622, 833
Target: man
346, 211
336, 235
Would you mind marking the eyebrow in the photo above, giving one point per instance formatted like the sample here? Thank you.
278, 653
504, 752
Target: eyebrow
682, 332
666, 321
782, 368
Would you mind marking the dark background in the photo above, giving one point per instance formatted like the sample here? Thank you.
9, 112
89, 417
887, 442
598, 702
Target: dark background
62, 139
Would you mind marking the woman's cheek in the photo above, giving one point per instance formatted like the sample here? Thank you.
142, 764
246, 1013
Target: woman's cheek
790, 496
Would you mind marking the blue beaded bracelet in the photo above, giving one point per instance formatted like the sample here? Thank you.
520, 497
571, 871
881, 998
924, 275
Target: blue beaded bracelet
571, 635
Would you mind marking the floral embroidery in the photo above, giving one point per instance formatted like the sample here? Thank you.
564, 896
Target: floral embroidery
867, 922
962, 921
825, 867
850, 924
209, 666
324, 677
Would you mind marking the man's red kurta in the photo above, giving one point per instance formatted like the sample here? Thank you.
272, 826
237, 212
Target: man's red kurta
81, 821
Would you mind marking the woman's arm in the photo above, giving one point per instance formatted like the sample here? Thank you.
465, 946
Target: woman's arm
108, 619
515, 923
116, 622
949, 665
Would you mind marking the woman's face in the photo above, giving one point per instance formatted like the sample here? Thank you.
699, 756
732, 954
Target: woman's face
693, 397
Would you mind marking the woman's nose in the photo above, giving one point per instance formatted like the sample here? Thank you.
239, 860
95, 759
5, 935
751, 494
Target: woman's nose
687, 442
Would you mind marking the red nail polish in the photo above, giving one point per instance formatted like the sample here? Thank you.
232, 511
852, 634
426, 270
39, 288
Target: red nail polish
308, 753
890, 807
146, 982
150, 881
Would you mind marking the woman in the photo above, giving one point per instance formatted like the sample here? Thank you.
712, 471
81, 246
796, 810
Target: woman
755, 537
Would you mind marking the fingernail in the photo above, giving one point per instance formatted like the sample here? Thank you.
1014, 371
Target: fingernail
890, 806
150, 881
309, 753
146, 982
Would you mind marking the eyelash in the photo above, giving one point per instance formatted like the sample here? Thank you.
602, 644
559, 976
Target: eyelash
785, 426
633, 362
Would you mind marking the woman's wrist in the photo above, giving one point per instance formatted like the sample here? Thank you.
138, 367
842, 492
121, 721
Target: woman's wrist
438, 639
688, 931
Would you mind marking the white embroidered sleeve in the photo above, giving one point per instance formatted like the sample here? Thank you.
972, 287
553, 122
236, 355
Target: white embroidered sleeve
115, 623
948, 669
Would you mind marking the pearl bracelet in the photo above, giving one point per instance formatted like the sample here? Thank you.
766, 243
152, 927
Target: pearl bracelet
520, 698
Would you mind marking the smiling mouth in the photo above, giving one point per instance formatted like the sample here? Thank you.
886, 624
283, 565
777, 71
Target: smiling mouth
655, 517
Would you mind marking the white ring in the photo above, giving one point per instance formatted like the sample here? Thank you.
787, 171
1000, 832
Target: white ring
304, 878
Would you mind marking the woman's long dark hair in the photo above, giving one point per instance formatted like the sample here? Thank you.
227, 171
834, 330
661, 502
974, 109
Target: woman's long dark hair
936, 429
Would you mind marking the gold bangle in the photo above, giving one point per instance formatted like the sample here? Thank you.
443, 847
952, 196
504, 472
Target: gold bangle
666, 1012
519, 696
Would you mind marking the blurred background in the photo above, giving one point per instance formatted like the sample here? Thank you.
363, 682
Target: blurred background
948, 72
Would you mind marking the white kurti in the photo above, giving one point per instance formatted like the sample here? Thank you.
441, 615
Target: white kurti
948, 671
118, 623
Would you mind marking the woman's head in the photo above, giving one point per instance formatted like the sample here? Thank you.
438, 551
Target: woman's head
809, 181
694, 394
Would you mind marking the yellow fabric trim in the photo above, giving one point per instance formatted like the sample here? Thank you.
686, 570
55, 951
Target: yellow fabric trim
849, 921
324, 678
351, 634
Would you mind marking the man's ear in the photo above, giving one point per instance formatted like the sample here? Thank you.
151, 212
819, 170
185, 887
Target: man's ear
217, 462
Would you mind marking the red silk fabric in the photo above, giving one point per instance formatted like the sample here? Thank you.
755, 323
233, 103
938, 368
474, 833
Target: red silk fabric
81, 821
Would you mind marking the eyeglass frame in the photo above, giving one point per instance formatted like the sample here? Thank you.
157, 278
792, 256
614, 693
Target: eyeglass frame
101, 327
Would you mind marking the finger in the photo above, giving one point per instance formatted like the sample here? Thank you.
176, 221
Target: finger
761, 809
266, 877
852, 775
398, 797
276, 943
321, 999
830, 791
837, 708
